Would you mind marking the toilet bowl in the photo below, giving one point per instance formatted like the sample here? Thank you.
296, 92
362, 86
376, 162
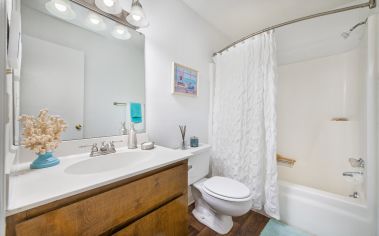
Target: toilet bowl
217, 199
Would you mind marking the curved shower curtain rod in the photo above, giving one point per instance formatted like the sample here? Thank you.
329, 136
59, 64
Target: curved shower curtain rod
371, 4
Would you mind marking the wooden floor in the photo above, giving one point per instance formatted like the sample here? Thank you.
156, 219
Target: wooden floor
250, 224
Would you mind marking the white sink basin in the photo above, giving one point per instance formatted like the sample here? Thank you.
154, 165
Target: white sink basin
108, 162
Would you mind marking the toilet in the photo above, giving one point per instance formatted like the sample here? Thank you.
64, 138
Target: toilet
217, 198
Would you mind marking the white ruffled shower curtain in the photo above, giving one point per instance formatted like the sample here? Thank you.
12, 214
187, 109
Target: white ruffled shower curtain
244, 119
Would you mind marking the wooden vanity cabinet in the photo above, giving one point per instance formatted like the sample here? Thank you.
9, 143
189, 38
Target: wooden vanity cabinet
153, 203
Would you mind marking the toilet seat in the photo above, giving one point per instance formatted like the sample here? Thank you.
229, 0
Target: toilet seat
226, 189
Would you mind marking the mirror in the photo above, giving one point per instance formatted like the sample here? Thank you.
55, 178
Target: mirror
81, 66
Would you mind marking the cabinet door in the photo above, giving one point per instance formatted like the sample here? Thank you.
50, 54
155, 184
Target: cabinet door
169, 220
100, 213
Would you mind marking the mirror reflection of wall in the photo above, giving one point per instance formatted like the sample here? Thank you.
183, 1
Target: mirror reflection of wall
81, 76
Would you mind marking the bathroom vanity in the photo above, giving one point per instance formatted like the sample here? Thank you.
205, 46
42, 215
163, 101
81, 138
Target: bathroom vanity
144, 197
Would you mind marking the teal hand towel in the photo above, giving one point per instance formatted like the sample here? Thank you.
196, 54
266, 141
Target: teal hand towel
135, 112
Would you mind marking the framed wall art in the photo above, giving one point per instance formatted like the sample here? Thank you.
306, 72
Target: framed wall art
185, 80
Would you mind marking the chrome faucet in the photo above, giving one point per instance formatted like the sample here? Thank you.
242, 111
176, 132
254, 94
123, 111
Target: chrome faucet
357, 162
352, 173
106, 148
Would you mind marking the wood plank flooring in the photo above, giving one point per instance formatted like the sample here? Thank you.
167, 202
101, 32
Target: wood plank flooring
250, 224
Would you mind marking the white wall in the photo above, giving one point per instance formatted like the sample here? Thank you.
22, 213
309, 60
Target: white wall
310, 94
177, 34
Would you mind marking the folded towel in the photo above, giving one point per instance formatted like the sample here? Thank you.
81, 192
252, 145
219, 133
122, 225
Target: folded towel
135, 112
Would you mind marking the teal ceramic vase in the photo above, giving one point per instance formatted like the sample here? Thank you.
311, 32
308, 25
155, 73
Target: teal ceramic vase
44, 161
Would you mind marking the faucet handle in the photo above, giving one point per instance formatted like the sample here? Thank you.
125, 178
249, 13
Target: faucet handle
94, 147
112, 148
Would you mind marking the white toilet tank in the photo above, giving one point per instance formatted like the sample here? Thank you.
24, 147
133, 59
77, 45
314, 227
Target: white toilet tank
198, 163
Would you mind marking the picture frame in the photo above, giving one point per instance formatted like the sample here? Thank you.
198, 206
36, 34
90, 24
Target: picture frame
185, 80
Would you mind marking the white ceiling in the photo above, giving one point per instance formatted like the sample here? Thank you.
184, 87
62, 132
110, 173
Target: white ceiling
318, 37
238, 18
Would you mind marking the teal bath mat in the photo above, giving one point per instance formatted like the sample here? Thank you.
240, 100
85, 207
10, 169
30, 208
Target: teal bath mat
276, 228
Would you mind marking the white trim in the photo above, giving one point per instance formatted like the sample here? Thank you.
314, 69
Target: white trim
3, 113
371, 117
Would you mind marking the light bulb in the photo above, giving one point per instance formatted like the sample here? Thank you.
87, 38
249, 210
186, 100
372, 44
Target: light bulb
60, 7
108, 3
120, 31
109, 6
136, 17
94, 20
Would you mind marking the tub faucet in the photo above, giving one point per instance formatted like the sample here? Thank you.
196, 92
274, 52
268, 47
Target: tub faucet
357, 162
352, 173
354, 195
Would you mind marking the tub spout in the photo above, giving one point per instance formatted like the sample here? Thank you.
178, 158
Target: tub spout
354, 195
357, 162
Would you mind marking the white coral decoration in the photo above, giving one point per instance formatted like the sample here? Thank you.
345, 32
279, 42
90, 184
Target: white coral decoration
43, 133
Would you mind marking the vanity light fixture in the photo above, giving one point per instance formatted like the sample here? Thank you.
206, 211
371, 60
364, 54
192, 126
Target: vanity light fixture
109, 6
61, 9
137, 16
95, 22
121, 32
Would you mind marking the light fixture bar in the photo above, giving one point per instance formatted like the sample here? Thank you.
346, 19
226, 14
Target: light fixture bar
119, 18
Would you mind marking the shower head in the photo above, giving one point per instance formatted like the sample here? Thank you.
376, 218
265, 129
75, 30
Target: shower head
346, 34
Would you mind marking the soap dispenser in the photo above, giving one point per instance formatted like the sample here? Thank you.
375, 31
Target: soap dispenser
132, 138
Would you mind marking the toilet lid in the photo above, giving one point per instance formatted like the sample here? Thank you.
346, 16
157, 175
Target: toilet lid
226, 187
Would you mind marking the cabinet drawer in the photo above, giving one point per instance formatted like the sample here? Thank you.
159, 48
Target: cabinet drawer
100, 213
169, 220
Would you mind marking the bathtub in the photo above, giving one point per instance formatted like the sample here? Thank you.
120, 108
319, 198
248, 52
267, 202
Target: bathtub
323, 213
314, 196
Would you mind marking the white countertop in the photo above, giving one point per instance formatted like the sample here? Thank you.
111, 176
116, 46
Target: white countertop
32, 188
